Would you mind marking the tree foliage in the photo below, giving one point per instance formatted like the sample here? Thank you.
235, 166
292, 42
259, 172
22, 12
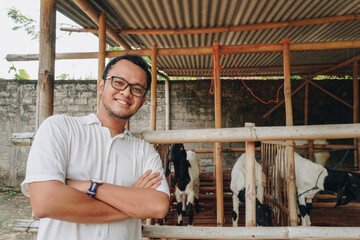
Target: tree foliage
23, 22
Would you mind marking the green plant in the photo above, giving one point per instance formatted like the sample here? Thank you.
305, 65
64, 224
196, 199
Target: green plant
19, 75
63, 76
23, 22
10, 193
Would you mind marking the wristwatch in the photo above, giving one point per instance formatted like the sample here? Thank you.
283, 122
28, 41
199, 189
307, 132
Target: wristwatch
94, 184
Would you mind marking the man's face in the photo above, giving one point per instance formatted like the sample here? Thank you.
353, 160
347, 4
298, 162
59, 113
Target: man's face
117, 103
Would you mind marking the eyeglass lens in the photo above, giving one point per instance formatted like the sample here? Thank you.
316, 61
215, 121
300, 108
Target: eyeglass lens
122, 84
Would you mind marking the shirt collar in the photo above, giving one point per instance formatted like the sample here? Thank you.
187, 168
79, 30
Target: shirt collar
93, 119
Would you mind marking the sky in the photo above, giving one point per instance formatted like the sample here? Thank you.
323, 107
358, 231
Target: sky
19, 42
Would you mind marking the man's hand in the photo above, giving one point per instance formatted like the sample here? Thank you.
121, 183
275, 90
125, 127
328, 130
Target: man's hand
149, 180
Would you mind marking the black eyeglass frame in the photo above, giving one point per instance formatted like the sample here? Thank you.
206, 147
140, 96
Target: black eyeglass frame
127, 84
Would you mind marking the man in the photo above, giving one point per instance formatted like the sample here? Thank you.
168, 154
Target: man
89, 178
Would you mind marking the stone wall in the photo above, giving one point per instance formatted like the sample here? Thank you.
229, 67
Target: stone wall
191, 106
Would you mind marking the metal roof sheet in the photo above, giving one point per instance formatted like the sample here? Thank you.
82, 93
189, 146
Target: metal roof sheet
197, 14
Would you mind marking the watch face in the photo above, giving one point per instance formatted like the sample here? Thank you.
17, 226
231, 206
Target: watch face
95, 180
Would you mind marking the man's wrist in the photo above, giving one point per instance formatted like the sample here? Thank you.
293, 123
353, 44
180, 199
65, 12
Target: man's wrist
94, 185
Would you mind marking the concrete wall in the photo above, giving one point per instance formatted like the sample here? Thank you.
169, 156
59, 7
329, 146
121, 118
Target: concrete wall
191, 107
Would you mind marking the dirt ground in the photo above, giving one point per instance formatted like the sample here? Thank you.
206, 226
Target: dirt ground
13, 205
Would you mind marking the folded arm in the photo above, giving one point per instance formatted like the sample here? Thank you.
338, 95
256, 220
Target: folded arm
53, 199
140, 201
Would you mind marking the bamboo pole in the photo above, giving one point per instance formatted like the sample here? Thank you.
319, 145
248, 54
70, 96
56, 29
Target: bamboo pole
217, 145
248, 68
91, 30
93, 15
45, 89
211, 135
102, 50
340, 65
280, 103
250, 194
306, 121
329, 93
244, 27
167, 104
290, 153
250, 48
153, 88
356, 110
306, 104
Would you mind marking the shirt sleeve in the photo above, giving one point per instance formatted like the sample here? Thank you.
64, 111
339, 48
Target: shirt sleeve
47, 157
154, 163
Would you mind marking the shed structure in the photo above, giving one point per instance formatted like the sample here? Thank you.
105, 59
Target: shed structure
217, 39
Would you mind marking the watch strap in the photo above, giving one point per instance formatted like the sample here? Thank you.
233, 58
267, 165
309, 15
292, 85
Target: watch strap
92, 189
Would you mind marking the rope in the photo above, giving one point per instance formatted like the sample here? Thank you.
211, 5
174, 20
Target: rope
211, 90
172, 198
314, 188
342, 160
339, 149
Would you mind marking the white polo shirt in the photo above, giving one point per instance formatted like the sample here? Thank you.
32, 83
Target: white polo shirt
79, 148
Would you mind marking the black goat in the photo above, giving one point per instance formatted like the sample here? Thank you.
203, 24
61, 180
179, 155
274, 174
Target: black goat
187, 170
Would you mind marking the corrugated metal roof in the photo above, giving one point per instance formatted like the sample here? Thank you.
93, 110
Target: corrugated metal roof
195, 14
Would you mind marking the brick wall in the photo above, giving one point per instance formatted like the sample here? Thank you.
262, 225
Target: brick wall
191, 106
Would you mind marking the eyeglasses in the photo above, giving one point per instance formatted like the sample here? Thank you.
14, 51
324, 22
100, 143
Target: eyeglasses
121, 84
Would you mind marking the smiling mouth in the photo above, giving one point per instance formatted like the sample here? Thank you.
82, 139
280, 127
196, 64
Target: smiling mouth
122, 102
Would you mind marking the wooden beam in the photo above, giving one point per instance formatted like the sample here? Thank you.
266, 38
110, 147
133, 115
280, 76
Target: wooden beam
249, 68
306, 104
217, 145
249, 27
340, 65
250, 192
356, 109
93, 15
45, 84
178, 232
91, 30
251, 48
211, 135
290, 163
167, 103
102, 50
153, 88
328, 93
280, 103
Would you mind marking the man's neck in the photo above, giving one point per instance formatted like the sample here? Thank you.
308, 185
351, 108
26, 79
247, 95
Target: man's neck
115, 125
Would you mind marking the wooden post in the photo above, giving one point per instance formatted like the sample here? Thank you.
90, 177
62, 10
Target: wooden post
45, 86
102, 50
153, 87
153, 98
356, 110
306, 104
167, 104
217, 145
290, 166
250, 194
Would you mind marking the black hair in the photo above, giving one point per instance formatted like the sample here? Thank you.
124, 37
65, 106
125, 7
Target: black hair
136, 59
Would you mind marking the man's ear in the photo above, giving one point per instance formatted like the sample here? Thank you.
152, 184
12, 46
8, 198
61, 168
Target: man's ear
143, 100
100, 85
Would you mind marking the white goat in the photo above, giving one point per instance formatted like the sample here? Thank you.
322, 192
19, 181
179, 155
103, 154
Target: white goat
237, 186
187, 171
320, 157
312, 178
